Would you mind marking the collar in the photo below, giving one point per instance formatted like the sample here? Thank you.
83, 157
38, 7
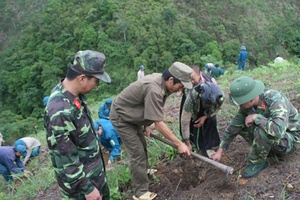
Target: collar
261, 103
164, 89
75, 101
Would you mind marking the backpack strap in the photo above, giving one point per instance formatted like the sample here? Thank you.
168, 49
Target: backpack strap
206, 76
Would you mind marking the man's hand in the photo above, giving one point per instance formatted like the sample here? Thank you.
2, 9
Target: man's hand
27, 174
182, 148
188, 144
250, 119
218, 155
94, 195
199, 122
147, 131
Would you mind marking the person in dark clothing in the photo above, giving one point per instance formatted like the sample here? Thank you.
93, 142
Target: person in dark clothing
198, 125
216, 71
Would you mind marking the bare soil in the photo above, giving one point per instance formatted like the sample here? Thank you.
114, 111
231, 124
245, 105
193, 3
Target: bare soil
192, 179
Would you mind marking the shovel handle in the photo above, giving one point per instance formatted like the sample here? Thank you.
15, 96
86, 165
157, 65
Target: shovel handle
227, 169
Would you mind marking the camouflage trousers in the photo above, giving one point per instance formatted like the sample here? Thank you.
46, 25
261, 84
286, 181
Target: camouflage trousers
263, 144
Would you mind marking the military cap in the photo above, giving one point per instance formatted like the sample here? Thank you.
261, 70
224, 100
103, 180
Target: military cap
183, 73
90, 63
244, 89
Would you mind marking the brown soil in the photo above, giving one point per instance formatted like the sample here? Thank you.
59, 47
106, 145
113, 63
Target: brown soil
192, 179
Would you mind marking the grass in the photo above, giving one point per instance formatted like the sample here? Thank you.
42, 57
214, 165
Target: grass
28, 188
282, 77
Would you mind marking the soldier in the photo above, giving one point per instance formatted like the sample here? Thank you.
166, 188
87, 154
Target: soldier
266, 120
74, 148
136, 108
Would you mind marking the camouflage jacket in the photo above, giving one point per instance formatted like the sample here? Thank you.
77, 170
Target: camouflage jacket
73, 144
192, 108
276, 115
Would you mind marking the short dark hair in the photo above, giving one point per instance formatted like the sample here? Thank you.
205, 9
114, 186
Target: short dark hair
72, 74
195, 68
166, 75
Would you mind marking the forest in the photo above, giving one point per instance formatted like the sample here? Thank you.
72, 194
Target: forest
38, 38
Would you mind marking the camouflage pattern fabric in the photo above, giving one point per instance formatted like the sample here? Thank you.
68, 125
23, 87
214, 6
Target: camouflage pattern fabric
191, 108
74, 148
275, 130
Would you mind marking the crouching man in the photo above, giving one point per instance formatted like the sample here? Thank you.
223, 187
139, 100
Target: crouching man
266, 120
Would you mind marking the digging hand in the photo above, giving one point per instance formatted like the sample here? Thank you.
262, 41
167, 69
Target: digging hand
183, 148
28, 173
188, 144
217, 156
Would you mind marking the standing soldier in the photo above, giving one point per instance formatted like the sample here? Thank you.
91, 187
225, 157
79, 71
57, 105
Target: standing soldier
74, 148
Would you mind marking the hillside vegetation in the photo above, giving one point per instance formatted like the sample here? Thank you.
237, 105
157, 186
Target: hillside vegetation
40, 37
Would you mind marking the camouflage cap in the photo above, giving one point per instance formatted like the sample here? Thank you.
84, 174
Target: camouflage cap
244, 89
91, 63
183, 73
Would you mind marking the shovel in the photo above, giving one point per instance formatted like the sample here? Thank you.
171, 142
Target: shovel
226, 169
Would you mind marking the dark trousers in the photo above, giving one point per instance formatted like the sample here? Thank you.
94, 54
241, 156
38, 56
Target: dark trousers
5, 173
205, 137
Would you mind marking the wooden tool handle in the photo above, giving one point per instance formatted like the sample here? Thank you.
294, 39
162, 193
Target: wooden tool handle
227, 169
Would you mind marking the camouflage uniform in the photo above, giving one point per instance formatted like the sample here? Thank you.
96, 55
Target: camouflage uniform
275, 130
74, 148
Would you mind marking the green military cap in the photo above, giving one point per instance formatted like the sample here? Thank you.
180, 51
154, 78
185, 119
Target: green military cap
90, 63
183, 73
244, 89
